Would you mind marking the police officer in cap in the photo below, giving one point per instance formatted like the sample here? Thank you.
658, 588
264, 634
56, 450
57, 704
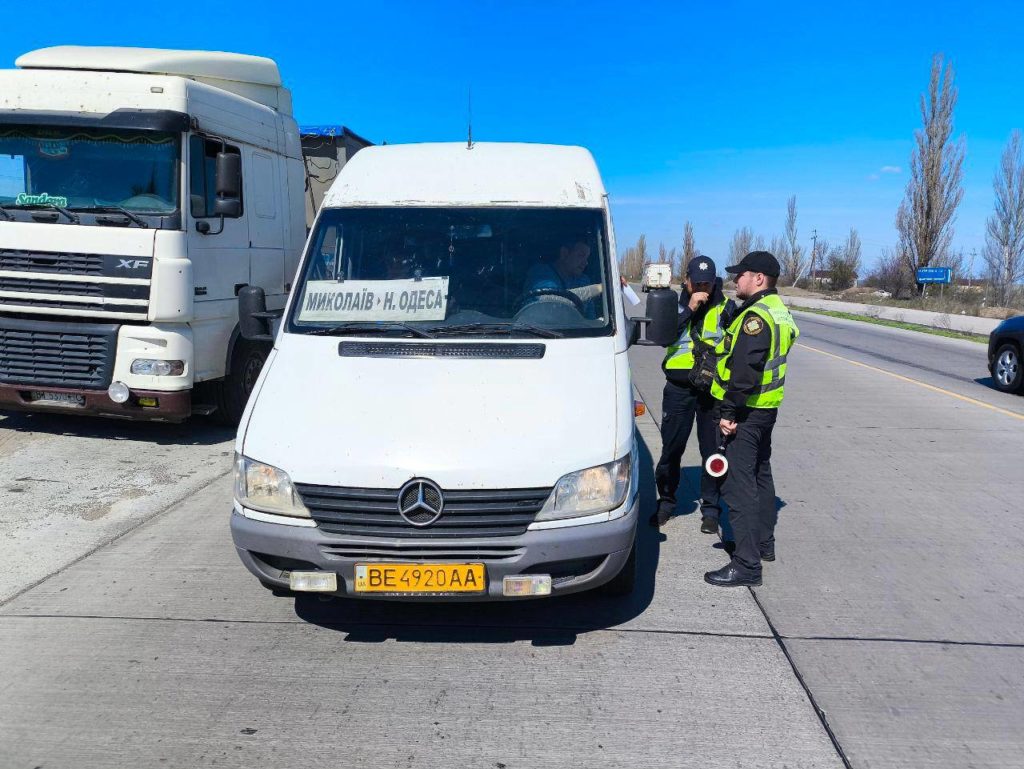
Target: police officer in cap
749, 387
689, 366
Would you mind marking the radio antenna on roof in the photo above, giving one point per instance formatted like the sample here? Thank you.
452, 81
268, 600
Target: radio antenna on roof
469, 118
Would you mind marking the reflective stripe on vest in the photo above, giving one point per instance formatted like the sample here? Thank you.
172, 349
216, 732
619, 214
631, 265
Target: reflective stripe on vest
783, 330
679, 356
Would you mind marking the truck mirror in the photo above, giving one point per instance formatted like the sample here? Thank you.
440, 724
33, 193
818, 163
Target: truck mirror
229, 176
253, 318
230, 207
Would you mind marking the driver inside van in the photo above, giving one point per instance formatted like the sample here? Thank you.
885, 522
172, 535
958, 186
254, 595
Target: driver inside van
567, 273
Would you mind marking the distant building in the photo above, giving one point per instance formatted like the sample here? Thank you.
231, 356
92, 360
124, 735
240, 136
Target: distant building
326, 149
823, 278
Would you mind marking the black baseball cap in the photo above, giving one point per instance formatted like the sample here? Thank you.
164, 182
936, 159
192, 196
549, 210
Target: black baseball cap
757, 261
701, 269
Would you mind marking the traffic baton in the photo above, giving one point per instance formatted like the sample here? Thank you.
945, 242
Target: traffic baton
717, 465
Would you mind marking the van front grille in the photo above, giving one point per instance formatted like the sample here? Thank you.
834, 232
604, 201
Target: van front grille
374, 512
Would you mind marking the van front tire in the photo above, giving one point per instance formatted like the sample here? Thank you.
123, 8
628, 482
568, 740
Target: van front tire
232, 392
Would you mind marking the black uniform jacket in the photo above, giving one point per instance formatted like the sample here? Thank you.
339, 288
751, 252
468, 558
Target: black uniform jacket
695, 319
749, 355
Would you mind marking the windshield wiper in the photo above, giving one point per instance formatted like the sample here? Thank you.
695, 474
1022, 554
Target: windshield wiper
472, 328
7, 214
115, 209
32, 206
368, 326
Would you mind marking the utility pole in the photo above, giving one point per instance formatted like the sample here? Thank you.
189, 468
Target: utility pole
970, 270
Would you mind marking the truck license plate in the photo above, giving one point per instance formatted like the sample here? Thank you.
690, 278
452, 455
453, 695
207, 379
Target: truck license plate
58, 399
420, 578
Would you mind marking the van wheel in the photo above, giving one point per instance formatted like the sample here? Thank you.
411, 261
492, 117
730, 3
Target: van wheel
622, 584
232, 392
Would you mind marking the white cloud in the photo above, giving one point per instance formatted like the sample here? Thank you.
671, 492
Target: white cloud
891, 170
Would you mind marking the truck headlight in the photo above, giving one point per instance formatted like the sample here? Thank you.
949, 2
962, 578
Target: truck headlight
586, 492
266, 488
152, 367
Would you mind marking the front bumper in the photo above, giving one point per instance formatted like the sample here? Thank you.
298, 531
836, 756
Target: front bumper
173, 406
586, 556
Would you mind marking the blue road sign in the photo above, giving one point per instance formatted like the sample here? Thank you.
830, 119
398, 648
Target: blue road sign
935, 275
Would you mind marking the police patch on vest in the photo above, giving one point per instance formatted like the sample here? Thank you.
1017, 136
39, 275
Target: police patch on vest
753, 325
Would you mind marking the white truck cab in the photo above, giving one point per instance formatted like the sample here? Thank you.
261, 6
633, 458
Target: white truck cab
447, 411
140, 191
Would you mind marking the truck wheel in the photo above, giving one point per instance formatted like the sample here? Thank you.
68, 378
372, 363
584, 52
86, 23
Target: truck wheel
234, 390
622, 584
1007, 372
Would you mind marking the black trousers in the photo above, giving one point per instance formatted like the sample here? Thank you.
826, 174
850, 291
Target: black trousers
749, 488
681, 405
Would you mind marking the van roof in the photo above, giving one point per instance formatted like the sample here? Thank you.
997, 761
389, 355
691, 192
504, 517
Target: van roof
453, 174
236, 67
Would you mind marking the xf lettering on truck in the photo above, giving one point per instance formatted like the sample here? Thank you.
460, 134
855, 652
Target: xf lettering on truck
132, 264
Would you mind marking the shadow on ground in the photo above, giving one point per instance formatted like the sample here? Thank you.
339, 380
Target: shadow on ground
197, 431
551, 622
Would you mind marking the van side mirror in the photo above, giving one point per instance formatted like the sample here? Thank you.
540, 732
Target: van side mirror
662, 319
253, 318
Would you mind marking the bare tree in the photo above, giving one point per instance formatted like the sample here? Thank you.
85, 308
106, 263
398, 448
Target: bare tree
668, 256
894, 274
792, 255
1004, 230
778, 248
758, 244
925, 217
742, 242
843, 262
635, 260
689, 250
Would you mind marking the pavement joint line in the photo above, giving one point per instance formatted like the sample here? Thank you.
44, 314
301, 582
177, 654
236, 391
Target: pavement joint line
575, 628
109, 541
803, 684
917, 382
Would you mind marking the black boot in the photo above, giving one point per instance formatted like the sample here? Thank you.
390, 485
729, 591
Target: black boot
731, 575
708, 525
768, 552
665, 510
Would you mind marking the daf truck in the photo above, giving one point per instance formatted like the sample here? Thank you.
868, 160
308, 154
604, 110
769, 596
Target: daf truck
140, 191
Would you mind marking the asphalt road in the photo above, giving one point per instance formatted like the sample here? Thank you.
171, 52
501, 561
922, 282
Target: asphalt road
889, 632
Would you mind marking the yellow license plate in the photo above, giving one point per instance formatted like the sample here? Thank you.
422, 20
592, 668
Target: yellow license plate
420, 578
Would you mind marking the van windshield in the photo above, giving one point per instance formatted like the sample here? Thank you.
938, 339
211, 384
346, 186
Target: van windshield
456, 271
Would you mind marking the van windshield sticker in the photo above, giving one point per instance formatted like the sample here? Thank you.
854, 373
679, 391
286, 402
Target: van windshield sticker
42, 199
374, 300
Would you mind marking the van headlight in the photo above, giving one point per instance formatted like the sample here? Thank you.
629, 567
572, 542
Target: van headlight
266, 488
586, 492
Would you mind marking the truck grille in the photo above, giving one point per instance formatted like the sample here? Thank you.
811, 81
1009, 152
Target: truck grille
47, 354
374, 512
42, 289
42, 261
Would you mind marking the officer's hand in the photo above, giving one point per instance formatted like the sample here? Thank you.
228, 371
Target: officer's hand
697, 298
727, 427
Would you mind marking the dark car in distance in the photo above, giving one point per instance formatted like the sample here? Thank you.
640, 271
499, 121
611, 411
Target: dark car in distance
1005, 346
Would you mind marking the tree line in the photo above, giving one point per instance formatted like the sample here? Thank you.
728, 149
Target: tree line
924, 219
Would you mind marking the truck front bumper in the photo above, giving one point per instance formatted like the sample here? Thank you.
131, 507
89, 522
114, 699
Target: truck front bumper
577, 557
171, 406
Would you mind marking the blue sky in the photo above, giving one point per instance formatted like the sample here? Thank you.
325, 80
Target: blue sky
714, 113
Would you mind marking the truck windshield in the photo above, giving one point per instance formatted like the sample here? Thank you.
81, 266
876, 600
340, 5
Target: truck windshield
85, 168
456, 271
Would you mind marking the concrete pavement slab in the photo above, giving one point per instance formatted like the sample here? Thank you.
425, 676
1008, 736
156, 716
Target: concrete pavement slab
919, 705
102, 694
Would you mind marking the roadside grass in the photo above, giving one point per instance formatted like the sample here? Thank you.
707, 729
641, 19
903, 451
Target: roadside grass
979, 338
